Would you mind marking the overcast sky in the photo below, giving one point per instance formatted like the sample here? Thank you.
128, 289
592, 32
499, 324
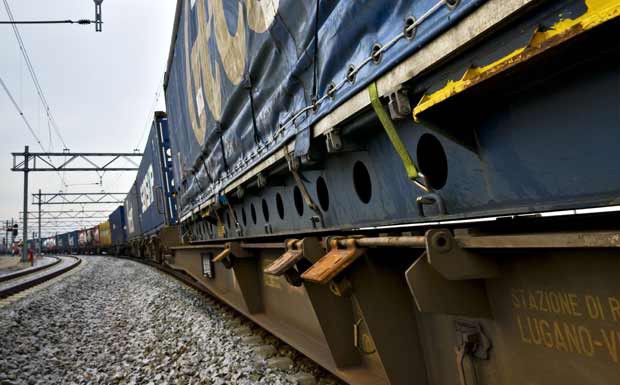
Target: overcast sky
100, 87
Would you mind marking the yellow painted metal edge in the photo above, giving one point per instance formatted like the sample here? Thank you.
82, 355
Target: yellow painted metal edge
598, 12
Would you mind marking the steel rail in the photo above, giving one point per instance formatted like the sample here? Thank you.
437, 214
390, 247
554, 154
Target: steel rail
12, 290
23, 272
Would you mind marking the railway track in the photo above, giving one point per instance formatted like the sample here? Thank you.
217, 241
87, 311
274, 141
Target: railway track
19, 281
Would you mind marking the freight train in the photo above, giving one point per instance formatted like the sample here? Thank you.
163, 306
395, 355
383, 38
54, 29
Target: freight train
408, 192
145, 225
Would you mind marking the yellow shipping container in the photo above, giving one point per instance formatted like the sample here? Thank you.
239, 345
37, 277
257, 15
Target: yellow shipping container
105, 235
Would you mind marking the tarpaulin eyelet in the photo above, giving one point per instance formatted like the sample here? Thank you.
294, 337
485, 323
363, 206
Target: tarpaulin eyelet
351, 72
376, 53
452, 3
409, 31
331, 89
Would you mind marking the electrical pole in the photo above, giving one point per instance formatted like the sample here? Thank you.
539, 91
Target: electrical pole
25, 229
98, 21
40, 247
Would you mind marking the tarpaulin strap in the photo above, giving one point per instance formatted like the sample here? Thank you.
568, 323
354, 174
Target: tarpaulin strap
390, 130
302, 187
397, 143
224, 200
250, 87
220, 225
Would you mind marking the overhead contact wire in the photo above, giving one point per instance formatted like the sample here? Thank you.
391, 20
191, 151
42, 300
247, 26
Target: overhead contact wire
37, 85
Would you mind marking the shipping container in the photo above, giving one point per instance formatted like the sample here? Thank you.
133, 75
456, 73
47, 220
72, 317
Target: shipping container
153, 181
49, 245
73, 241
82, 239
105, 237
90, 236
117, 226
62, 243
228, 137
235, 100
95, 234
132, 213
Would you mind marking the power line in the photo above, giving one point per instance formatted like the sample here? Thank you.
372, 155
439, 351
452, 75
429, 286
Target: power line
149, 119
149, 115
50, 119
33, 74
80, 21
21, 113
27, 123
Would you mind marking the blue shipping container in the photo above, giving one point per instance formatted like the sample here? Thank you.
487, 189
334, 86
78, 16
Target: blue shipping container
118, 230
153, 182
62, 242
73, 241
132, 213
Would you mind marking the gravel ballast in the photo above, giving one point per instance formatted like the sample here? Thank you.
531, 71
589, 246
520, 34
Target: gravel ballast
116, 321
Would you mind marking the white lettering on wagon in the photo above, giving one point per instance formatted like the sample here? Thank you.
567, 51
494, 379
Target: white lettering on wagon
146, 189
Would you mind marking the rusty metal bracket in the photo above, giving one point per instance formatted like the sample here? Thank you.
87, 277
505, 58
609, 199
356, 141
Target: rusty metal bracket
231, 249
334, 262
220, 257
288, 263
294, 253
455, 263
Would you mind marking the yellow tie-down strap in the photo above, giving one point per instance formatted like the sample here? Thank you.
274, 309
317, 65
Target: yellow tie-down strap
390, 130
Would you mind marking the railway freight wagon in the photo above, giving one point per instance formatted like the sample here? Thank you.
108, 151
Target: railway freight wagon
408, 192
150, 206
62, 243
72, 242
102, 239
118, 231
82, 241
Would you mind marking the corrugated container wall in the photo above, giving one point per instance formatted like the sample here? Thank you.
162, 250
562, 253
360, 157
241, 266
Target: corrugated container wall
105, 238
62, 241
153, 182
132, 213
73, 241
118, 230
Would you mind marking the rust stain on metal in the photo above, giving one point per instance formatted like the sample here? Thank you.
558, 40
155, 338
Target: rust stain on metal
292, 255
333, 263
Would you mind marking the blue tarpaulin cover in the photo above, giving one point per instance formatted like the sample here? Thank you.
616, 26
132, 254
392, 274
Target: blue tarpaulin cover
239, 71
